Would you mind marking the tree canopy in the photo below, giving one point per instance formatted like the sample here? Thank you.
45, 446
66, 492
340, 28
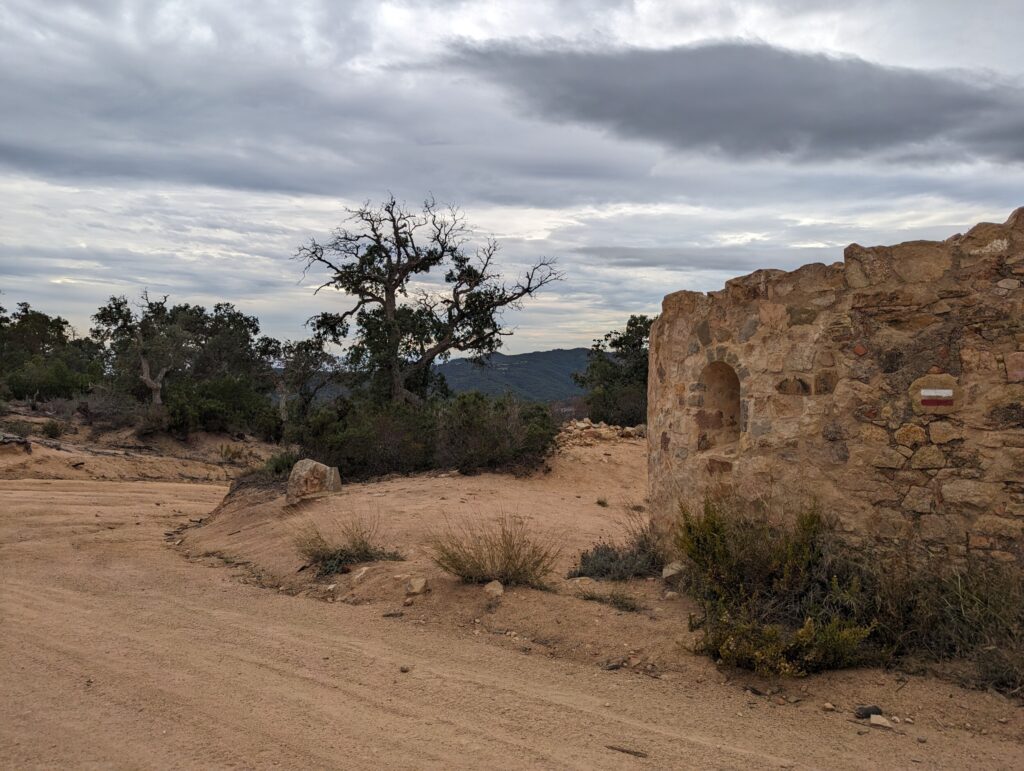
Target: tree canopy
616, 374
40, 357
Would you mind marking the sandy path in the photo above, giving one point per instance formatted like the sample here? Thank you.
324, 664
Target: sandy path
115, 651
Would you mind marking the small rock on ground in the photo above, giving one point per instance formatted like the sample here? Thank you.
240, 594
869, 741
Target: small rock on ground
494, 590
877, 721
671, 570
864, 711
417, 585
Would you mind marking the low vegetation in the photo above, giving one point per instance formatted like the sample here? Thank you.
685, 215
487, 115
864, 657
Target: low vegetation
787, 596
638, 556
615, 598
381, 407
470, 432
280, 465
52, 429
502, 550
615, 379
360, 541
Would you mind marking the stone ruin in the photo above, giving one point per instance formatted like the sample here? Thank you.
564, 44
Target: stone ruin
888, 387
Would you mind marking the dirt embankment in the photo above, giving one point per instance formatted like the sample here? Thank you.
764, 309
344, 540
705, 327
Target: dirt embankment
81, 452
115, 651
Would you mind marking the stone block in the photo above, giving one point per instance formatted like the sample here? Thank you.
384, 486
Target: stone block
970, 493
921, 261
1014, 367
928, 456
999, 527
918, 500
910, 435
888, 458
942, 431
871, 434
310, 479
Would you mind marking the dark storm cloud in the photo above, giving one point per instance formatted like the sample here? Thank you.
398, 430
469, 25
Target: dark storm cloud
257, 101
750, 101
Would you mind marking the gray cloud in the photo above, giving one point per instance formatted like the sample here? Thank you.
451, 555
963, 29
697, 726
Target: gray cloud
189, 147
748, 100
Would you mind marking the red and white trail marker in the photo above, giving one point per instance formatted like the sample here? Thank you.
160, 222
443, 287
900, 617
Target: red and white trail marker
936, 397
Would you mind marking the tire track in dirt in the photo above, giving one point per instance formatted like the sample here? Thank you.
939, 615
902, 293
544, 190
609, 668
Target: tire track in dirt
115, 651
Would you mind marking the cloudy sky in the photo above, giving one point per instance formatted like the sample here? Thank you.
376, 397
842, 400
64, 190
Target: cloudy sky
190, 147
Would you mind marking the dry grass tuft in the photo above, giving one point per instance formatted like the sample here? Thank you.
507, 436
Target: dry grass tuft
616, 598
502, 550
641, 554
360, 542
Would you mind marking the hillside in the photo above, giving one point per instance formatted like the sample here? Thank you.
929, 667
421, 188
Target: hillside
538, 376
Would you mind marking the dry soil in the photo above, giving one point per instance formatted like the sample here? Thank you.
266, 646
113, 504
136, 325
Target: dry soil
121, 647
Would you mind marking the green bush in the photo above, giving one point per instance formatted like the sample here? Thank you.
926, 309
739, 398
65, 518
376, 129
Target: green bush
475, 432
220, 405
52, 429
640, 555
365, 439
788, 596
616, 375
46, 378
470, 432
280, 464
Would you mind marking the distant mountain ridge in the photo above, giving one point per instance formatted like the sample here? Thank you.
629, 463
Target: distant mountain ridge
541, 376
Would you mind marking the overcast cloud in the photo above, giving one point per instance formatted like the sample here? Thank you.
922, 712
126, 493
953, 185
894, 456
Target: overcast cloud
189, 147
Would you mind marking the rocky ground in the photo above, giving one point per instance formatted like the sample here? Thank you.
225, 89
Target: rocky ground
137, 628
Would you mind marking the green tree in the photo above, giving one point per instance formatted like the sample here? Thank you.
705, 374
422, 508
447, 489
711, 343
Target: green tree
616, 375
199, 369
304, 370
40, 357
400, 330
156, 340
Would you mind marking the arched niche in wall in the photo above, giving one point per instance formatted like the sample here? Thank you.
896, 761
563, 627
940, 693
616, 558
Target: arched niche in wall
718, 421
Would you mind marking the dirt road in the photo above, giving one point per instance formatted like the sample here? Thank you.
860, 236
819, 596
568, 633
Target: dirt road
117, 652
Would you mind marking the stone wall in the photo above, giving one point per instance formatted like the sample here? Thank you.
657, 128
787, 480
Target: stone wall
889, 387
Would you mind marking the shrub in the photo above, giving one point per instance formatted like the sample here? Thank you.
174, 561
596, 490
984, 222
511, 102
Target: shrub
52, 429
47, 378
366, 439
230, 453
617, 599
639, 555
503, 550
280, 464
271, 475
788, 596
470, 432
221, 405
18, 427
476, 432
360, 542
110, 409
616, 375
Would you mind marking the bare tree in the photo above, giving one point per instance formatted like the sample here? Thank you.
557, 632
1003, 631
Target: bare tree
400, 333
